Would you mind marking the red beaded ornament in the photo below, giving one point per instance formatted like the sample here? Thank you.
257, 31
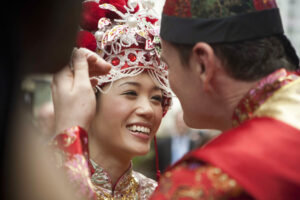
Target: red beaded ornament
115, 61
132, 57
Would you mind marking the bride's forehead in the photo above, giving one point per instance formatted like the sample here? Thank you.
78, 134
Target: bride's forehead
142, 79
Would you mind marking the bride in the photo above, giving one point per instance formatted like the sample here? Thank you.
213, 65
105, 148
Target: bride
127, 109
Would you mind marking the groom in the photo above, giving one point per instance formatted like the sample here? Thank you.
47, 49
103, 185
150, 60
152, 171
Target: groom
233, 69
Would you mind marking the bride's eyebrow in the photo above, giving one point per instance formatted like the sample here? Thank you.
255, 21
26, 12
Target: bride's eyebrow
136, 84
130, 83
156, 88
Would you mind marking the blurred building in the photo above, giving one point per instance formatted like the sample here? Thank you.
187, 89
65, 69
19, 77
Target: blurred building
289, 10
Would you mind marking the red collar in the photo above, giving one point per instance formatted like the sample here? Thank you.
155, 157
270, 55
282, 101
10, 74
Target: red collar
260, 93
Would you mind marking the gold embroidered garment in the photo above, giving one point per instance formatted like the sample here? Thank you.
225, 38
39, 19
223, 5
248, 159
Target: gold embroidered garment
89, 179
221, 168
131, 185
271, 92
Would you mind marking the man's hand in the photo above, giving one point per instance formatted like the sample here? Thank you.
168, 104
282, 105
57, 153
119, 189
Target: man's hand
73, 96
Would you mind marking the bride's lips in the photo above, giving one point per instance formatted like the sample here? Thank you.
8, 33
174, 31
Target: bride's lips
140, 129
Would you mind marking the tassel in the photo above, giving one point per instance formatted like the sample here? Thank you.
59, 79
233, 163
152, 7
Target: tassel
156, 160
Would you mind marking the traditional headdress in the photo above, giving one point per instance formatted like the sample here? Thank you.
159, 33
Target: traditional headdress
222, 21
124, 33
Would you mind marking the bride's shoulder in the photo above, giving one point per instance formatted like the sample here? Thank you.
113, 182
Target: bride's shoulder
146, 185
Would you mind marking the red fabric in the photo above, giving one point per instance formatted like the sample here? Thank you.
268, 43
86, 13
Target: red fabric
264, 4
73, 141
262, 155
260, 93
191, 181
180, 8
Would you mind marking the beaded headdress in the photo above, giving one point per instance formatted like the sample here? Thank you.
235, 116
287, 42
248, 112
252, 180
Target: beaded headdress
124, 33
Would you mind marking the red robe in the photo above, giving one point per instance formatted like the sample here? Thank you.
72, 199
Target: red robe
259, 159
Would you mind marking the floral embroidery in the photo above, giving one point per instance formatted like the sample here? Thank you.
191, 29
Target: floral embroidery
178, 8
215, 8
260, 93
71, 152
203, 182
192, 179
78, 173
132, 185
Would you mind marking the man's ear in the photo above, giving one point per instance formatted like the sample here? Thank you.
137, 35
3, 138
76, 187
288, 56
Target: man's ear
205, 65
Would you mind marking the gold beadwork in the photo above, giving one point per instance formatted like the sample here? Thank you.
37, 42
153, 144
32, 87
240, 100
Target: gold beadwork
131, 193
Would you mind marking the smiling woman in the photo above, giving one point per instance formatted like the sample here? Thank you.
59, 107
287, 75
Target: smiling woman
127, 118
129, 105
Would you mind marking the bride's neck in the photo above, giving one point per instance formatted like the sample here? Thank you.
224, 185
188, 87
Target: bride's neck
111, 161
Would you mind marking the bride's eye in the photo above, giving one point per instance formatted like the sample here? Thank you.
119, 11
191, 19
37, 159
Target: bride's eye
158, 98
130, 93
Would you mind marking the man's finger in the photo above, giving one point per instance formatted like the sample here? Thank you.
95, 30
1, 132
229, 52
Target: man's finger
64, 78
80, 65
97, 65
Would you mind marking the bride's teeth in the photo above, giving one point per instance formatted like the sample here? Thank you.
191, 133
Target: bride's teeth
140, 129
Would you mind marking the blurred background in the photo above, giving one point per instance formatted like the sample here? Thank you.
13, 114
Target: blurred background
290, 14
173, 132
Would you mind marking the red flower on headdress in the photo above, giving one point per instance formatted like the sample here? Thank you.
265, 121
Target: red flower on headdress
91, 13
119, 4
87, 40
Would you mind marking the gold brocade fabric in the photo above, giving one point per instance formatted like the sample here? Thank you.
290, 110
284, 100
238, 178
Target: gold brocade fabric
276, 96
284, 105
272, 95
90, 181
131, 186
193, 180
